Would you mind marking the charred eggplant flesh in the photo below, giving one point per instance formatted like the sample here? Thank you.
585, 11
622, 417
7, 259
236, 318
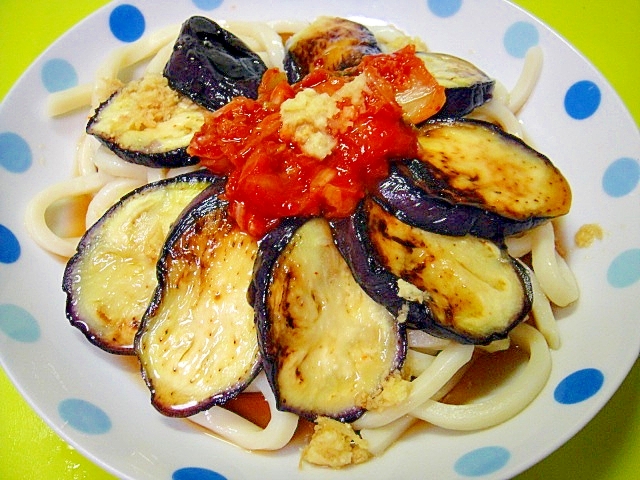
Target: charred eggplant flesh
473, 162
147, 123
331, 43
463, 287
111, 278
197, 342
327, 346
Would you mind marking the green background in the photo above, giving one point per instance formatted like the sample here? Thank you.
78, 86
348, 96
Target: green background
608, 448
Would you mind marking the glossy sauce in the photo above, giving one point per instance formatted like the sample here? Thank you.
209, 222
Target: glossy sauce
272, 175
487, 372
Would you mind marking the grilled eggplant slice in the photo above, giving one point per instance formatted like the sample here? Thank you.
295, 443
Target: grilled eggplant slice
466, 86
473, 162
327, 347
469, 288
411, 204
110, 279
331, 43
211, 66
147, 123
197, 342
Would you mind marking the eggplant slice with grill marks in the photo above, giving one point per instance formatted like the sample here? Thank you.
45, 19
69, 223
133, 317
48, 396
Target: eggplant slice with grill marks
402, 196
460, 287
331, 43
466, 86
472, 162
111, 278
197, 342
327, 347
148, 123
211, 66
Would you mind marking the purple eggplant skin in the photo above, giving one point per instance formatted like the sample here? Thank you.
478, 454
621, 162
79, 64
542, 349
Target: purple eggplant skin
197, 343
95, 311
211, 66
332, 43
406, 200
310, 336
350, 237
466, 86
371, 267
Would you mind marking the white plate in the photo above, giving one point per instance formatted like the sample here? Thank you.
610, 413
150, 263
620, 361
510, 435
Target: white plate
98, 403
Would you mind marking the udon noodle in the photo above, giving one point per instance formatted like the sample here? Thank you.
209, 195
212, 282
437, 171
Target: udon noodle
435, 363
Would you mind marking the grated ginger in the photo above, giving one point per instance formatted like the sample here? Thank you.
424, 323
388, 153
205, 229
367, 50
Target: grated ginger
394, 391
335, 444
310, 118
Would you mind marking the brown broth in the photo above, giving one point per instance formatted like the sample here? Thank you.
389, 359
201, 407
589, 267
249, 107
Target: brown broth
251, 406
487, 372
66, 217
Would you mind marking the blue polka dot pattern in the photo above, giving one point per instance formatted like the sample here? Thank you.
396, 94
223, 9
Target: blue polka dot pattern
207, 4
15, 154
444, 8
578, 386
196, 473
18, 324
519, 38
582, 99
9, 246
127, 23
482, 461
621, 177
57, 74
84, 416
624, 270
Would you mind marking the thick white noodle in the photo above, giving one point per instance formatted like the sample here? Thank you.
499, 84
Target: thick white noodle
35, 215
424, 342
246, 434
542, 313
264, 39
556, 278
436, 376
108, 195
504, 106
65, 101
127, 56
157, 63
107, 162
505, 404
88, 146
417, 362
497, 111
379, 439
287, 26
518, 246
528, 79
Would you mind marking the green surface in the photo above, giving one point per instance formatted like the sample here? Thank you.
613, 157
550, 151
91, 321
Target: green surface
608, 448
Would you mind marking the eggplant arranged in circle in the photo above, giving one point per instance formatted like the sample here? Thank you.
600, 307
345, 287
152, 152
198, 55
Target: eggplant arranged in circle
211, 66
331, 43
402, 196
461, 287
110, 279
473, 162
466, 86
148, 123
327, 347
197, 341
